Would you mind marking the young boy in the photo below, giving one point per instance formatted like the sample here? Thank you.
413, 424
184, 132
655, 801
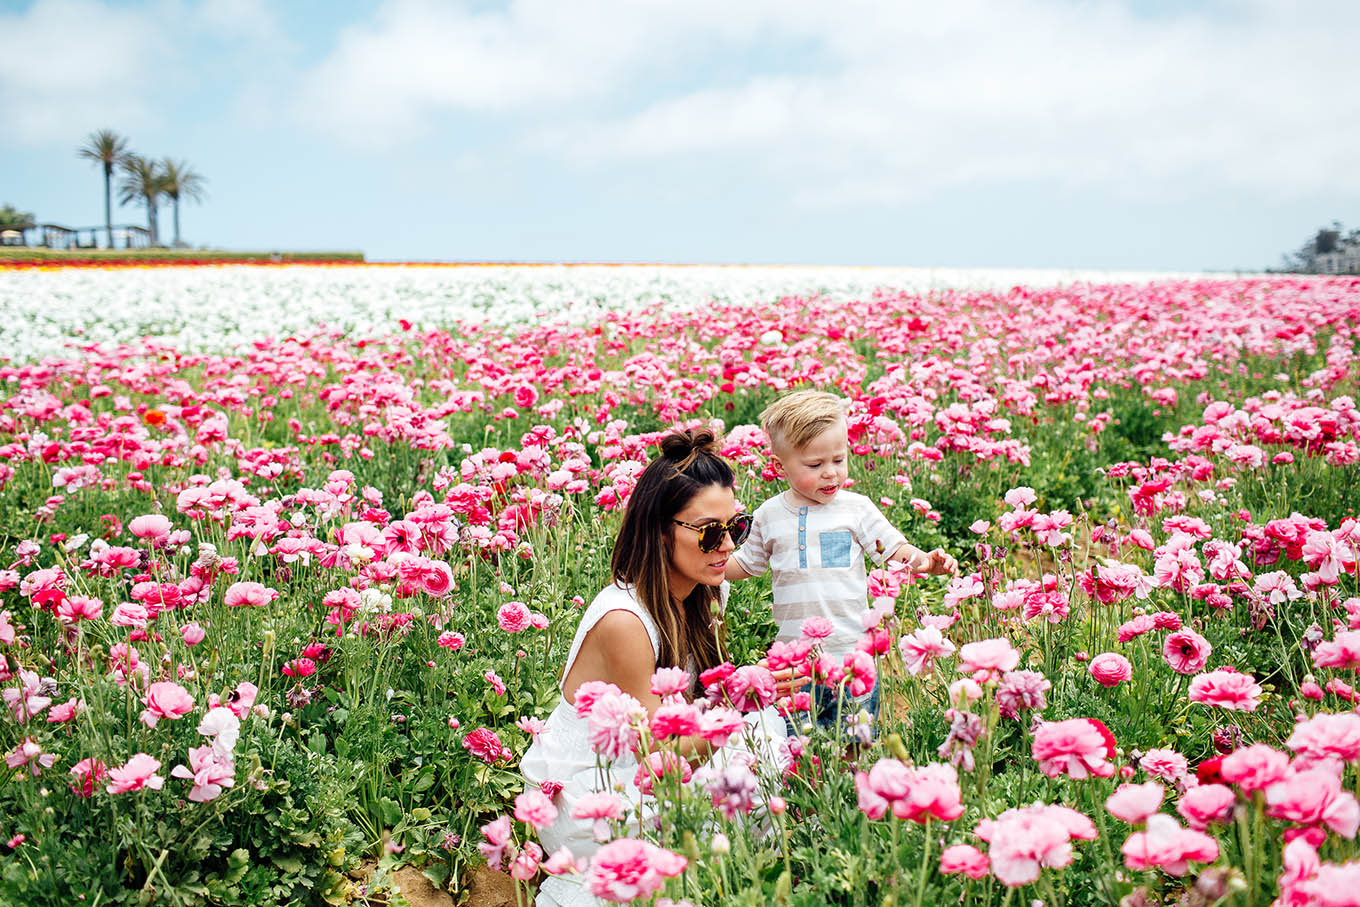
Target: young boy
814, 536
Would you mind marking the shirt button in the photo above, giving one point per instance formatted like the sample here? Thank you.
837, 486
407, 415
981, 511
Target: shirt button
802, 547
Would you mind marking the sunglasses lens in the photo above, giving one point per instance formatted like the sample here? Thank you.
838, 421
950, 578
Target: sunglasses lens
740, 528
710, 537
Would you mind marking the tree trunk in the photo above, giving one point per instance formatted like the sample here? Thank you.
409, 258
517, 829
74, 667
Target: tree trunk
108, 202
175, 201
151, 222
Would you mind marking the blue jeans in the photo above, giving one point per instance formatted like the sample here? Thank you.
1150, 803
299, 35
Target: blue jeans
829, 704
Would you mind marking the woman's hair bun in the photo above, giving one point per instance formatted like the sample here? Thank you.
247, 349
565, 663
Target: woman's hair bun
682, 446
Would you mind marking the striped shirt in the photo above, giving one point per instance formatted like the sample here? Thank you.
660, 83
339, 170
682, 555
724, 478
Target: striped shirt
816, 552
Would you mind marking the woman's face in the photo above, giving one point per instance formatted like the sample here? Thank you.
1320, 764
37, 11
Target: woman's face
689, 566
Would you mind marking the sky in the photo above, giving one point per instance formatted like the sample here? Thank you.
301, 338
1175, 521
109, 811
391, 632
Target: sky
1129, 134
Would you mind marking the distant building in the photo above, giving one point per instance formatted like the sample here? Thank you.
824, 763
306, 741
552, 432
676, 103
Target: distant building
1345, 259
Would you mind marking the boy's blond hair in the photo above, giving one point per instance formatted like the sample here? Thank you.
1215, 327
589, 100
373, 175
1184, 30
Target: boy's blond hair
792, 421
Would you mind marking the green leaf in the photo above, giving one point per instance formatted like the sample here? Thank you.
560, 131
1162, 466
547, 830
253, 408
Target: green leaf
238, 861
389, 810
289, 864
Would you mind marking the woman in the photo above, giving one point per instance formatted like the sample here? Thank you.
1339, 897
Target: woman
679, 528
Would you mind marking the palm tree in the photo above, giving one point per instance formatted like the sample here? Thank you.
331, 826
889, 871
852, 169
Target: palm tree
108, 148
181, 180
144, 183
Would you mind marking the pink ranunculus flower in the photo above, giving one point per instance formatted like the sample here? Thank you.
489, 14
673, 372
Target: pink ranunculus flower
85, 775
1133, 803
30, 753
600, 808
192, 634
1324, 737
79, 607
1074, 747
816, 628
1186, 651
137, 773
154, 527
964, 859
1165, 845
1110, 669
248, 594
1168, 765
535, 808
1343, 652
1023, 841
209, 772
1229, 690
1207, 804
497, 841
437, 578
241, 699
750, 688
671, 681
921, 648
1254, 767
1314, 797
513, 617
676, 719
627, 869
989, 655
613, 724
659, 765
165, 699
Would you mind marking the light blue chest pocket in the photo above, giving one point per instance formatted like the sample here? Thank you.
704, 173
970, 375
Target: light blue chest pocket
835, 548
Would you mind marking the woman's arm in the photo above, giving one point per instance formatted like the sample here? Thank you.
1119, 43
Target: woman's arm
618, 650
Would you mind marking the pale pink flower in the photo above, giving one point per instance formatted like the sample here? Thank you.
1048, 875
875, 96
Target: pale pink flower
137, 773
1324, 737
524, 866
816, 628
535, 808
920, 649
1186, 652
658, 765
671, 681
79, 607
613, 724
627, 869
1165, 845
588, 692
1254, 767
600, 808
85, 775
965, 859
1207, 804
165, 700
1168, 765
675, 719
1229, 690
560, 862
1277, 587
1025, 840
717, 726
29, 752
241, 699
192, 634
1020, 496
531, 725
930, 792
1110, 669
60, 714
1314, 797
1074, 747
497, 841
1133, 803
209, 772
1021, 690
247, 594
152, 526
988, 655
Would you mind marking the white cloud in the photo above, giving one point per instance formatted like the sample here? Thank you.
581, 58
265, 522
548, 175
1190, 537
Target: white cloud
893, 100
71, 66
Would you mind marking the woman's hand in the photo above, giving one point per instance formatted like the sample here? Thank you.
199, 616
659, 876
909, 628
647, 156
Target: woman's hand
785, 682
940, 563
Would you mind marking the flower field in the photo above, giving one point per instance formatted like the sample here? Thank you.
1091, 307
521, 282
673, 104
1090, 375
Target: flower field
288, 584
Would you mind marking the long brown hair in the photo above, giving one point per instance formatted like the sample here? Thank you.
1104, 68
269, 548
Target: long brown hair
689, 462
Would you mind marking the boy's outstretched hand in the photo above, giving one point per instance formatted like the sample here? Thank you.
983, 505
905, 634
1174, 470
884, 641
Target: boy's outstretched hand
940, 563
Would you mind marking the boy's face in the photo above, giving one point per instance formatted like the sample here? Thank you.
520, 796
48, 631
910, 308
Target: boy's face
818, 470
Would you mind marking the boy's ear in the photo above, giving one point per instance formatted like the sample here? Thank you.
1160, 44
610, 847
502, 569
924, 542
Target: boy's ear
776, 465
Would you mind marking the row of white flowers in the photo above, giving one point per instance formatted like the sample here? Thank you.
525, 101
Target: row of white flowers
218, 308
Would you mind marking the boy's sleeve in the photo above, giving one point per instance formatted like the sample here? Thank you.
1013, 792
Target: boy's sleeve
878, 537
754, 554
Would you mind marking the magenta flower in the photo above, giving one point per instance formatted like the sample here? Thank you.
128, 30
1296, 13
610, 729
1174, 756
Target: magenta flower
137, 773
1186, 651
676, 719
1326, 737
1254, 767
627, 869
486, 745
964, 859
1075, 747
165, 700
750, 688
1110, 669
451, 641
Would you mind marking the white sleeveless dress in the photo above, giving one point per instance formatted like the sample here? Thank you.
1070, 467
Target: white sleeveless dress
562, 754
